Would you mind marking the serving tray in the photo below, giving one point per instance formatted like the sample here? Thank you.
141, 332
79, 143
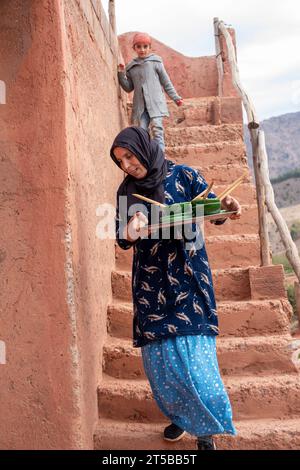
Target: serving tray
187, 219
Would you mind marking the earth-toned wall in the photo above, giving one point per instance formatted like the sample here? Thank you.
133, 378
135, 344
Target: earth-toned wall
63, 109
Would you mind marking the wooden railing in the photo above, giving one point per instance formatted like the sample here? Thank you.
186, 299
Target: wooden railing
112, 15
264, 190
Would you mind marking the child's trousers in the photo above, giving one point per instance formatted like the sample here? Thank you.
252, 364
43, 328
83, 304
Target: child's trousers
156, 125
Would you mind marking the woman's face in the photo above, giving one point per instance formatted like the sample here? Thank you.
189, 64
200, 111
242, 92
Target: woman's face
129, 163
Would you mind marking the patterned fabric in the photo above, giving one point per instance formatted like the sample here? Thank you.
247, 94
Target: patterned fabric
184, 376
172, 285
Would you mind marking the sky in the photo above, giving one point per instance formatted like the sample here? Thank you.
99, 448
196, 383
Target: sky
267, 32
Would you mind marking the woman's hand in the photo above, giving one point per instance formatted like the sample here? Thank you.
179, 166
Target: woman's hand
133, 230
121, 68
230, 204
179, 102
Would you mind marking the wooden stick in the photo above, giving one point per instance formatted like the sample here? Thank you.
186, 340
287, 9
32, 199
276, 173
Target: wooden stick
199, 196
233, 184
208, 189
112, 15
230, 190
219, 57
139, 196
265, 251
204, 193
297, 298
253, 126
249, 107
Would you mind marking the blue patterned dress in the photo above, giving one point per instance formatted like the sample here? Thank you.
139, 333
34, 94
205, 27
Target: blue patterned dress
175, 319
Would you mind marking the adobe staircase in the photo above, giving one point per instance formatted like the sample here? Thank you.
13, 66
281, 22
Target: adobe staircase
255, 347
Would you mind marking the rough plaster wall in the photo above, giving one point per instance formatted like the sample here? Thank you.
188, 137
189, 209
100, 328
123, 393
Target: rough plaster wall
61, 116
38, 409
94, 116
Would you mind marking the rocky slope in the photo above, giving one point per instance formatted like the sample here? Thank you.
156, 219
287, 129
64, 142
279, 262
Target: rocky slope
283, 143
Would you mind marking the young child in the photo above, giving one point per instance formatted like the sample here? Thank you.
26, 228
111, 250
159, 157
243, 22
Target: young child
146, 75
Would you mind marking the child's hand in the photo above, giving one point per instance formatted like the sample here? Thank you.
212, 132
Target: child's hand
121, 68
134, 227
231, 204
179, 102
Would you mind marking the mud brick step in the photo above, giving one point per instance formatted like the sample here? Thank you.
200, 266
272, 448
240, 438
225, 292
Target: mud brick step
230, 284
224, 251
257, 434
203, 134
252, 397
202, 111
244, 318
217, 153
254, 355
233, 284
223, 174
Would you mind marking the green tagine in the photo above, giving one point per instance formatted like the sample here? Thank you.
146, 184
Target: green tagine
187, 210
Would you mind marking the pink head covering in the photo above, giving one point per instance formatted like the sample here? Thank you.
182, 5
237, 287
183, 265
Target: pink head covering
141, 37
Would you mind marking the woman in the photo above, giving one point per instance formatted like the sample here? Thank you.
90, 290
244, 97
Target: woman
175, 318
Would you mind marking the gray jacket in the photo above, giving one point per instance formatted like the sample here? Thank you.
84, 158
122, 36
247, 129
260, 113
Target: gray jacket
147, 77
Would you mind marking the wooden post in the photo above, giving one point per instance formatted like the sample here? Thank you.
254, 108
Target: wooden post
261, 206
297, 298
218, 57
249, 107
253, 124
264, 190
112, 15
291, 249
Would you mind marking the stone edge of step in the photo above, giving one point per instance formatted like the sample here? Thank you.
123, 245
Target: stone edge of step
128, 387
253, 431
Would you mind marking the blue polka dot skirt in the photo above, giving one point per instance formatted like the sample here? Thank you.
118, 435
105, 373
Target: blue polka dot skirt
184, 375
